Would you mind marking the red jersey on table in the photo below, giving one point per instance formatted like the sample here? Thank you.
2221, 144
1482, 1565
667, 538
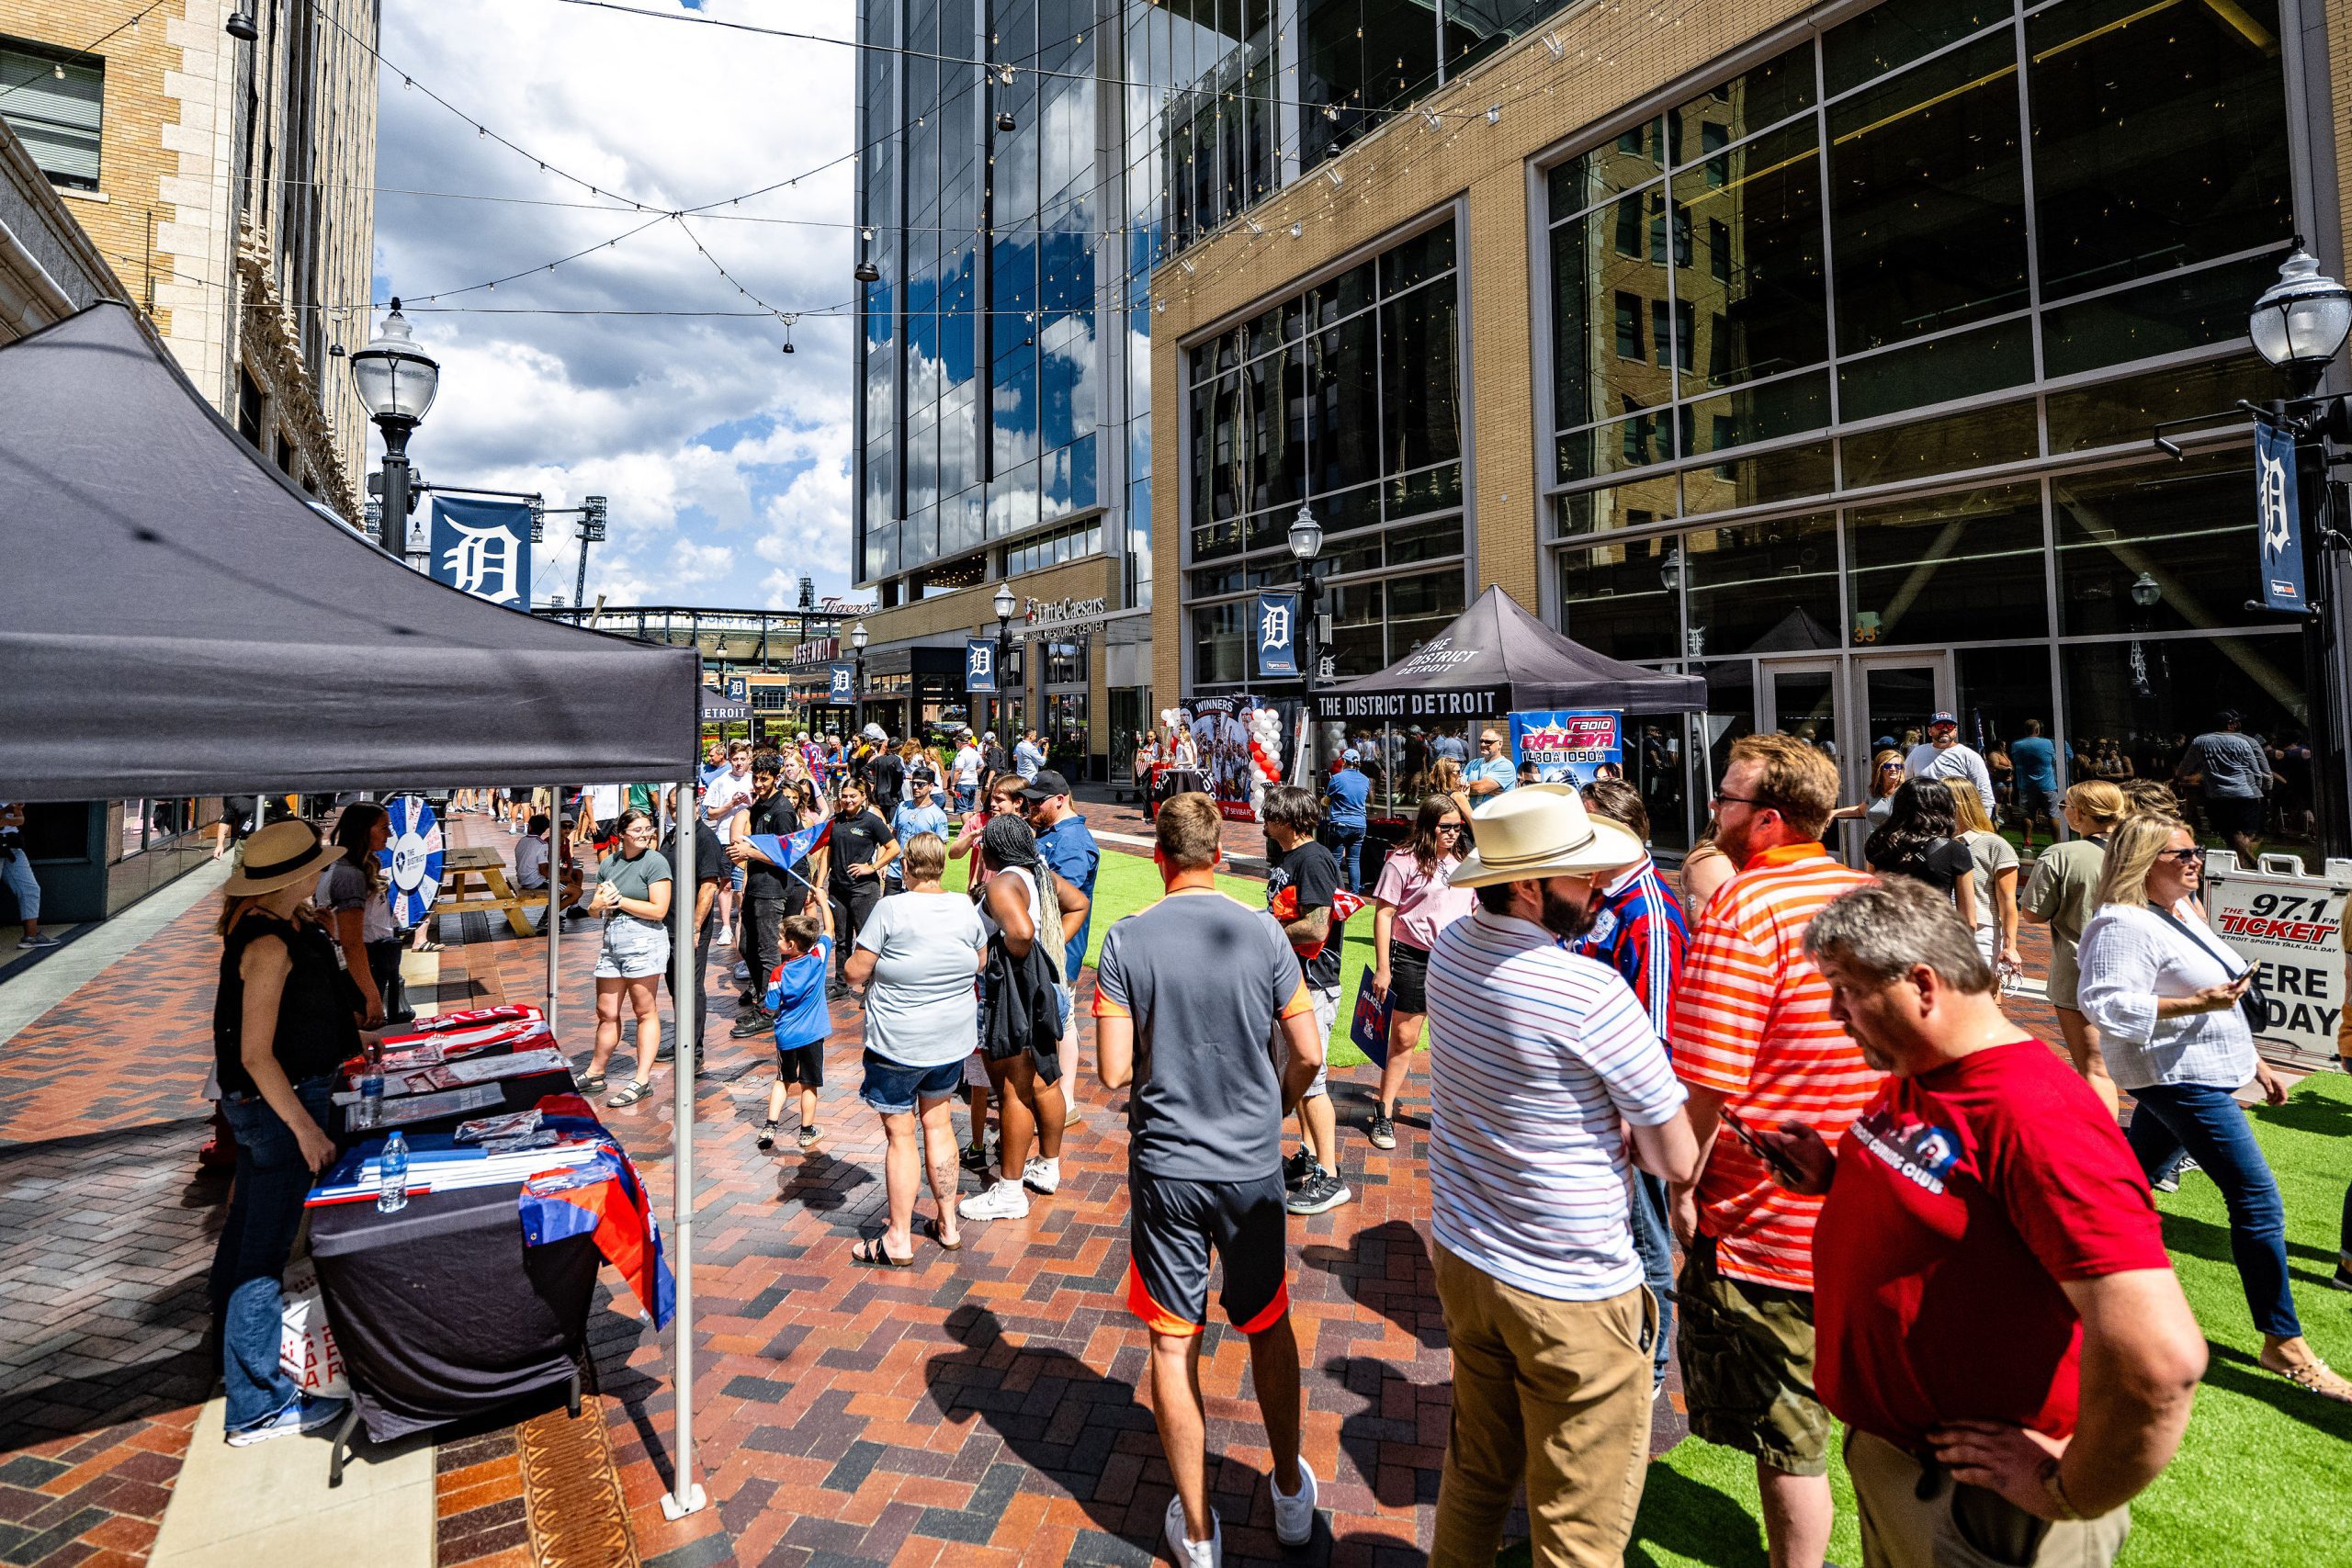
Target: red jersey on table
1963, 1199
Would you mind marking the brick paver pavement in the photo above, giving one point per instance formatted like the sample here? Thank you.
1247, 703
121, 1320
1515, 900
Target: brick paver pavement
979, 1408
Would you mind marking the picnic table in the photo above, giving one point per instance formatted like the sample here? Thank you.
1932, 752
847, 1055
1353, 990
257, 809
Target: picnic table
460, 869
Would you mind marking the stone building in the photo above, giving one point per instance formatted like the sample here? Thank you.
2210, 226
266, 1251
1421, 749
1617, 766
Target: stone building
231, 186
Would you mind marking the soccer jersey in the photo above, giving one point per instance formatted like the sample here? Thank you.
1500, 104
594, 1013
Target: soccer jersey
1752, 1023
1638, 931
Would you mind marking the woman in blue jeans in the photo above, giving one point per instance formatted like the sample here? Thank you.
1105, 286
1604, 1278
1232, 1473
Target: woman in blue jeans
285, 1018
2164, 991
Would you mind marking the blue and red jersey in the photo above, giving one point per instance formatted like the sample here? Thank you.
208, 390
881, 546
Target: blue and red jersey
1638, 931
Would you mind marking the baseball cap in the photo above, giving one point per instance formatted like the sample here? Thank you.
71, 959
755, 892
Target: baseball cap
1045, 786
1941, 717
1352, 755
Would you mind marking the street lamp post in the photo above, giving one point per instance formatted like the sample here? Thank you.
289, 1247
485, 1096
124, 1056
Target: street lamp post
1305, 544
395, 381
2300, 325
1003, 604
857, 640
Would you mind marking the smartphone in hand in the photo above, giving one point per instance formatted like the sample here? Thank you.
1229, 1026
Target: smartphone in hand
1773, 1159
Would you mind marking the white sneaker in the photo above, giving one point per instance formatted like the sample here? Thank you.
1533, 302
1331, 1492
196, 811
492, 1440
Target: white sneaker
1294, 1516
1209, 1553
1004, 1201
1043, 1174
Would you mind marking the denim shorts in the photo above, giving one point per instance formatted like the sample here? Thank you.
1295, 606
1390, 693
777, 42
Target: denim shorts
893, 1087
633, 949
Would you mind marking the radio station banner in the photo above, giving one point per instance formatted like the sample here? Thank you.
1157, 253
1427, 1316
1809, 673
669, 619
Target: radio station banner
1277, 637
2278, 509
483, 548
1569, 746
2292, 930
979, 665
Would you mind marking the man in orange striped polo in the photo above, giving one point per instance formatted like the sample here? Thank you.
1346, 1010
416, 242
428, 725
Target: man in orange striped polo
1755, 1045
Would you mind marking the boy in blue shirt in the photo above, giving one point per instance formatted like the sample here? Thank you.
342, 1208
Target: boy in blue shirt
796, 995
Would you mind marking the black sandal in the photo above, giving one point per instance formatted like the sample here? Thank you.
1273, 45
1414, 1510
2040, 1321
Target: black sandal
931, 1229
767, 1135
621, 1100
593, 1083
873, 1255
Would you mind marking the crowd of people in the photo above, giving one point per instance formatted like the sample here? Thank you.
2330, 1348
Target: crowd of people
1774, 1124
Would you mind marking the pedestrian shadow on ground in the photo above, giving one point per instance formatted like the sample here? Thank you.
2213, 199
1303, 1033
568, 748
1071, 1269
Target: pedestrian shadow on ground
820, 1183
1386, 1269
1688, 1520
1362, 1434
2240, 1373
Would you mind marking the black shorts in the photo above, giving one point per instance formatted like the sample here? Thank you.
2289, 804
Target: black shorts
1173, 1226
803, 1065
2231, 815
1408, 976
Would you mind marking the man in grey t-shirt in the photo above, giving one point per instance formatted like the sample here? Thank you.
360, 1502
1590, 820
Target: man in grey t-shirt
2233, 778
1941, 756
1187, 995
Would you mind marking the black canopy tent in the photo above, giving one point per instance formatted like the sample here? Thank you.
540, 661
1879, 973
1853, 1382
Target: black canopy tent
1495, 659
176, 619
717, 707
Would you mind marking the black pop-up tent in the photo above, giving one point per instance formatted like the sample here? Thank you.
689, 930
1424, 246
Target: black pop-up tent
1496, 657
176, 619
717, 707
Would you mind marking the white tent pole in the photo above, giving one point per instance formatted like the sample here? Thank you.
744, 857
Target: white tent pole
684, 1496
555, 899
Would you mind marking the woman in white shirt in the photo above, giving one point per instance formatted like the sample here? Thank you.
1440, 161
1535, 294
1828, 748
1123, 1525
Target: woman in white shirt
2163, 992
1027, 1085
919, 953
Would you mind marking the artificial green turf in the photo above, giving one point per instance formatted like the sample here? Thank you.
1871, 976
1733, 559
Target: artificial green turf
2262, 1476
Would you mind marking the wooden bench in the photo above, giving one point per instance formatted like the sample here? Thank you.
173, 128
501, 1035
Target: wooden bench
460, 869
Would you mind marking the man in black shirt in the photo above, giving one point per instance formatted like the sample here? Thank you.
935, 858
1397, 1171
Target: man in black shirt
886, 782
711, 871
767, 893
1302, 880
858, 847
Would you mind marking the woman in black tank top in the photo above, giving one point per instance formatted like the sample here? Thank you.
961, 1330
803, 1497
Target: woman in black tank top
285, 1018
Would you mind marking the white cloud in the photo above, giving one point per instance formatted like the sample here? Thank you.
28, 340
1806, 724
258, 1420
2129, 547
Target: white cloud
703, 435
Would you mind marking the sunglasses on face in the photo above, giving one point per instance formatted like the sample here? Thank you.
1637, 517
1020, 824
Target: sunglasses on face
1449, 827
2185, 857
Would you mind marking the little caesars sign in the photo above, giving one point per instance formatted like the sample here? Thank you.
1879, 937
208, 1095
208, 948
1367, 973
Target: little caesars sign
1055, 614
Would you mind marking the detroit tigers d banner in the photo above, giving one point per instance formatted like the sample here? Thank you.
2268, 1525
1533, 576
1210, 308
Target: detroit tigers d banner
483, 548
2279, 510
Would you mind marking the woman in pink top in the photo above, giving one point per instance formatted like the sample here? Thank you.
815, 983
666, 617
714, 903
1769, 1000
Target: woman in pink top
1411, 905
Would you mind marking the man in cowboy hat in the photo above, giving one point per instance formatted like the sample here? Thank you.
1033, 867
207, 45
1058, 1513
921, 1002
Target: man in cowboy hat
1549, 1321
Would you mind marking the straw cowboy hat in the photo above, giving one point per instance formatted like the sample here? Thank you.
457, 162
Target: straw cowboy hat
277, 856
1538, 830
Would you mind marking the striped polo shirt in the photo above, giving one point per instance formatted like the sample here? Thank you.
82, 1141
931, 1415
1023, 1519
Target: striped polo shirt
1535, 1054
1752, 1023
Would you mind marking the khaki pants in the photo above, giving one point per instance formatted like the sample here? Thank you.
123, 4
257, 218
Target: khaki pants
1553, 1393
1962, 1527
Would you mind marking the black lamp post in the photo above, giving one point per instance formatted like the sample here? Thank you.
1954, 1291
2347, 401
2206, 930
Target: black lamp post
857, 640
1003, 604
1305, 544
2300, 325
395, 381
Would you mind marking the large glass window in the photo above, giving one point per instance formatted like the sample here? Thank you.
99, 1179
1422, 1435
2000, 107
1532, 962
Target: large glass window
1756, 270
1955, 568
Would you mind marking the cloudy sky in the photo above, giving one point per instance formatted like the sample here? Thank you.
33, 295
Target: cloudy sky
726, 463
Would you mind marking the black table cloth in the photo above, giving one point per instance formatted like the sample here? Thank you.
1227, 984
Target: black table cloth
441, 1311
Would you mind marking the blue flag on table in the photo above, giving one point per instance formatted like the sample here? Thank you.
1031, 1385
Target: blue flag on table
483, 548
979, 665
1277, 635
2279, 510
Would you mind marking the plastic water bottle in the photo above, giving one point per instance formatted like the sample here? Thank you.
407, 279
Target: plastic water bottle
391, 1185
369, 1111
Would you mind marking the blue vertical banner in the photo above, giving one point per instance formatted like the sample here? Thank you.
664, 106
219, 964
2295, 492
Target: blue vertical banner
979, 665
844, 684
483, 548
1277, 635
739, 689
2278, 508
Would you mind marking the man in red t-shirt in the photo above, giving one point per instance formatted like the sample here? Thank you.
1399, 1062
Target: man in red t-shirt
1987, 1236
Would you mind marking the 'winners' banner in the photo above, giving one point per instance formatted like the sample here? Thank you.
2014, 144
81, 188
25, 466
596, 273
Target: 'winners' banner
2278, 509
1230, 735
483, 548
1569, 746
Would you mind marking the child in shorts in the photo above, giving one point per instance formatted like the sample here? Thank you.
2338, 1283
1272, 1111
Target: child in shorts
796, 995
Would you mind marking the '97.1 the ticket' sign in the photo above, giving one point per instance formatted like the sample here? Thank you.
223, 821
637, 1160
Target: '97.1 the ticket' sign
2292, 930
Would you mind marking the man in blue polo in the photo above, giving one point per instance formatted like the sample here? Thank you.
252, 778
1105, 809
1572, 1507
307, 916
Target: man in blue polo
1348, 791
1070, 853
1492, 773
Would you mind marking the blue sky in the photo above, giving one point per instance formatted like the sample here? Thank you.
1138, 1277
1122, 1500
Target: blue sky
727, 461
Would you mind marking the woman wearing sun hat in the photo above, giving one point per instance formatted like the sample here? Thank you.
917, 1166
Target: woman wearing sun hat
285, 1018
